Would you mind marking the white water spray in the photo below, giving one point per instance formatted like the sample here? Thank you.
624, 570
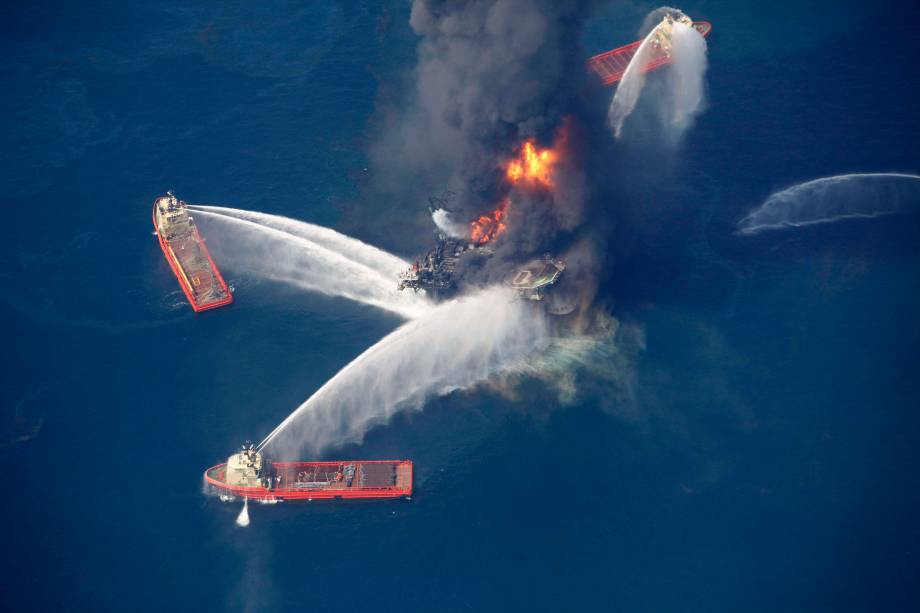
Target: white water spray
685, 84
830, 199
452, 346
630, 86
242, 520
682, 97
275, 254
376, 259
447, 224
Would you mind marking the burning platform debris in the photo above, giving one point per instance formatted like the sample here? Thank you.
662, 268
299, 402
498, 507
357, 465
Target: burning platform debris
436, 273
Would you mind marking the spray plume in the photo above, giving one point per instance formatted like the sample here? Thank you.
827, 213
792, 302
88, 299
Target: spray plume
830, 199
683, 93
242, 520
355, 250
452, 346
280, 256
447, 225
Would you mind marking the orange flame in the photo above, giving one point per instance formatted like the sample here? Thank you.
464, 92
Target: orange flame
489, 227
533, 165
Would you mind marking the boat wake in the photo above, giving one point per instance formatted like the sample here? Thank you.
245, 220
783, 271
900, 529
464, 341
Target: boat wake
311, 257
830, 199
451, 346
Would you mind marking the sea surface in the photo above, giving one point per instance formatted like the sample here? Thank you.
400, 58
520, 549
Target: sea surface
768, 458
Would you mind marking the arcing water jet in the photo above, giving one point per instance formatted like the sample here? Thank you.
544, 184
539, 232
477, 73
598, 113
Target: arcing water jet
281, 256
451, 346
355, 250
673, 38
830, 199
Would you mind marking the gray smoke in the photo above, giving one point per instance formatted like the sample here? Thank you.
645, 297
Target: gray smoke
489, 74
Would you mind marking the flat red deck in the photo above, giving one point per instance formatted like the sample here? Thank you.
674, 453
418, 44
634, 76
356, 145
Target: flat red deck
323, 480
610, 66
191, 262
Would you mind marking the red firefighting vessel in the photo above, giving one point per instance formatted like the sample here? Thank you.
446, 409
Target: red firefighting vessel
248, 474
611, 65
188, 256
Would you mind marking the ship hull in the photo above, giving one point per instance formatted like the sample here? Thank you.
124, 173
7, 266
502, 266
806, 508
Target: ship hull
221, 296
287, 486
610, 66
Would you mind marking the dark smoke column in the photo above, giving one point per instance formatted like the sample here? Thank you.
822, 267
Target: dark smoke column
489, 74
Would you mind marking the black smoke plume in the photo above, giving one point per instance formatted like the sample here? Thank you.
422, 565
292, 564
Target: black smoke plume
489, 75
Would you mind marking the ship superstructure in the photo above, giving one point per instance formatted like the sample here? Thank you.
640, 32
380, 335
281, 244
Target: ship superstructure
188, 256
611, 65
249, 474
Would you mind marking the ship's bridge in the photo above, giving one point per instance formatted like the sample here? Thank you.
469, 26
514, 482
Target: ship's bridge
245, 468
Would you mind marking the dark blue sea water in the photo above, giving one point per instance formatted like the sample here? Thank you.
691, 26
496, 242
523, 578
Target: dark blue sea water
769, 462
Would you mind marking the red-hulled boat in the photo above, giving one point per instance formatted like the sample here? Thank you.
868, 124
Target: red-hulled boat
248, 474
188, 256
610, 66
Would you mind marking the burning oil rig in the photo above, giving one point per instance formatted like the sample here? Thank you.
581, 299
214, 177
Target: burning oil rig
438, 272
435, 273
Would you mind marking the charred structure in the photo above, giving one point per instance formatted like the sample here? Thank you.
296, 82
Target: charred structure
435, 271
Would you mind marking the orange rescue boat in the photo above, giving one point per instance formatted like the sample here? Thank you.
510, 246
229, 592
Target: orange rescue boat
249, 474
188, 256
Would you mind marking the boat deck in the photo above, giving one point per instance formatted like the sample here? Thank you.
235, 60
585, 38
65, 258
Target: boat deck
610, 66
189, 258
308, 480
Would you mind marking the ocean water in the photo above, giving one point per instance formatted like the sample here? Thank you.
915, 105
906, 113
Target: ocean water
765, 459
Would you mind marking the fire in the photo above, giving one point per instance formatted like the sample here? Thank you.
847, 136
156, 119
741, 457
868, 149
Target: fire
533, 164
489, 227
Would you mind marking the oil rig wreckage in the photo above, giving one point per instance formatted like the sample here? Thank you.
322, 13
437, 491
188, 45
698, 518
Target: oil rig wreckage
435, 273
